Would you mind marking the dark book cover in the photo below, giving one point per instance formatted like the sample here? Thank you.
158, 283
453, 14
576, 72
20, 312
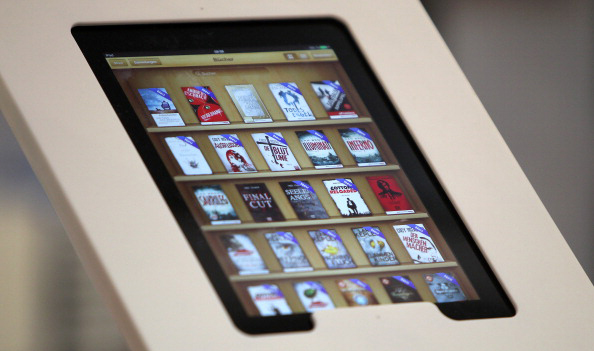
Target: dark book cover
318, 149
215, 204
390, 195
362, 147
374, 243
334, 99
332, 249
444, 287
288, 251
400, 289
304, 200
260, 202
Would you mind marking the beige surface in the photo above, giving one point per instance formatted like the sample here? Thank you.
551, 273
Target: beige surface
159, 310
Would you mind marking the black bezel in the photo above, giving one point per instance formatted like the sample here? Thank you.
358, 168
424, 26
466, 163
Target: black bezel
183, 38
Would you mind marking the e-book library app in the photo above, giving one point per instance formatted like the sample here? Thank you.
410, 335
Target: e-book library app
293, 185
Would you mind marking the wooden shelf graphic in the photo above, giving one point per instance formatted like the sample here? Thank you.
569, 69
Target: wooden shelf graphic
342, 272
293, 174
269, 126
313, 223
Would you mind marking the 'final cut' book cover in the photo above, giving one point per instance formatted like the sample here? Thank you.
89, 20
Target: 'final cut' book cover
259, 202
232, 153
400, 289
347, 198
288, 251
374, 243
390, 195
334, 99
313, 296
330, 246
269, 300
215, 204
243, 254
276, 152
356, 292
418, 243
291, 101
318, 149
362, 147
444, 287
161, 107
248, 103
205, 105
304, 200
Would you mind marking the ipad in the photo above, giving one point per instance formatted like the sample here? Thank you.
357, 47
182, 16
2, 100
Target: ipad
289, 171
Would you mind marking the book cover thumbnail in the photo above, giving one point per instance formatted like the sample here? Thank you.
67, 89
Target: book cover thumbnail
304, 200
215, 204
356, 292
205, 105
288, 251
347, 198
318, 149
291, 101
269, 300
243, 254
188, 155
418, 243
248, 103
260, 203
333, 251
313, 296
276, 152
390, 195
161, 107
444, 287
400, 289
232, 153
375, 246
334, 99
362, 147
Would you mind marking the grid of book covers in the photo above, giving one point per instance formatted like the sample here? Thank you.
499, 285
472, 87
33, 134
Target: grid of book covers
301, 200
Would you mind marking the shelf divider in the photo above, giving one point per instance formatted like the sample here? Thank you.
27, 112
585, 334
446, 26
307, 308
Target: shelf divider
312, 223
342, 272
270, 125
292, 174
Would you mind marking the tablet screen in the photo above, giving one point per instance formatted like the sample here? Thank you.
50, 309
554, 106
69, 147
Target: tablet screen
289, 171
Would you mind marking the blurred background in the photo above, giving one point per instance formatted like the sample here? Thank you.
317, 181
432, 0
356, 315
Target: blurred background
530, 63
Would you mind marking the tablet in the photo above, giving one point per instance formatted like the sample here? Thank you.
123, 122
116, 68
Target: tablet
289, 171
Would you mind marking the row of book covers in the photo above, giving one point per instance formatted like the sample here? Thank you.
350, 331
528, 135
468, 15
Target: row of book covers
208, 110
247, 260
275, 150
303, 199
270, 300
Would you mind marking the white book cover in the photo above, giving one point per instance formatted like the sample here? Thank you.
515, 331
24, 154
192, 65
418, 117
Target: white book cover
248, 103
291, 101
232, 153
276, 152
188, 155
418, 243
243, 254
269, 300
161, 107
313, 296
347, 197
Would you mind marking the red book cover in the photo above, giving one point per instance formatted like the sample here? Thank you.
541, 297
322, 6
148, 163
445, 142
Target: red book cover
205, 105
390, 195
